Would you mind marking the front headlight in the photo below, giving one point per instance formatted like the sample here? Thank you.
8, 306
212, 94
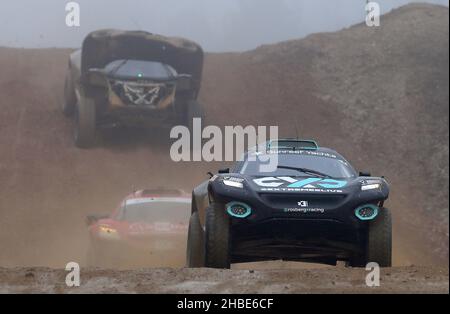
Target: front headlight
108, 233
233, 182
108, 230
370, 185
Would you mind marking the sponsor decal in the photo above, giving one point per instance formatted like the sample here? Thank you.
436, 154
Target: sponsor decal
304, 183
138, 93
332, 184
309, 183
302, 152
305, 210
297, 190
303, 203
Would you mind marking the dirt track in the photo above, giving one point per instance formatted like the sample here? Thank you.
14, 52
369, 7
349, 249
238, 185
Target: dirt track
316, 87
323, 280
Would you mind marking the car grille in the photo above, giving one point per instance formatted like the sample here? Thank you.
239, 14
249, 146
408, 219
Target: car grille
287, 201
148, 94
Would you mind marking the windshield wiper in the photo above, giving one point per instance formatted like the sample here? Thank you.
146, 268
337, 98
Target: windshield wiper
307, 171
114, 71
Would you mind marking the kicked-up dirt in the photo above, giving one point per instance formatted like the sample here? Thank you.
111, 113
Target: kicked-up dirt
171, 280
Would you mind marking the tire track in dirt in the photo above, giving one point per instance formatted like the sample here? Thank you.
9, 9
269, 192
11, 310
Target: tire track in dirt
197, 281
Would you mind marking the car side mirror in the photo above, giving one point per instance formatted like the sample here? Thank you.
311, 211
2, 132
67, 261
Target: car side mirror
364, 174
226, 170
184, 82
210, 174
93, 218
96, 77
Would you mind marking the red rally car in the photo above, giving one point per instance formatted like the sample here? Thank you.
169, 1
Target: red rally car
148, 228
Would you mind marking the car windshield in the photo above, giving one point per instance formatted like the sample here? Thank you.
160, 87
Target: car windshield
140, 69
290, 164
150, 211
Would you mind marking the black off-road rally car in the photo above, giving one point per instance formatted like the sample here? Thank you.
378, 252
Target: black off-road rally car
132, 78
314, 208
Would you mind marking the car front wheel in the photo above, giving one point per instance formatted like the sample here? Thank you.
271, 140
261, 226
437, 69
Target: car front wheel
217, 237
379, 242
70, 99
85, 123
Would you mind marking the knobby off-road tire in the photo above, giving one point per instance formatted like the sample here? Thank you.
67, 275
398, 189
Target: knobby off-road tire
194, 110
195, 251
217, 237
379, 242
85, 123
70, 98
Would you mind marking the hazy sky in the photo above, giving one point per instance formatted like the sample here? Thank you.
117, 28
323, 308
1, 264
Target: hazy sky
218, 25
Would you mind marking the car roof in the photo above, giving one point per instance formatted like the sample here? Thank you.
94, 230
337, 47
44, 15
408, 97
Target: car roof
104, 46
157, 193
320, 151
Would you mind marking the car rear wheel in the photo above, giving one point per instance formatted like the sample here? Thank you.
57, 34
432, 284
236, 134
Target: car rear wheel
195, 253
217, 237
379, 242
85, 123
